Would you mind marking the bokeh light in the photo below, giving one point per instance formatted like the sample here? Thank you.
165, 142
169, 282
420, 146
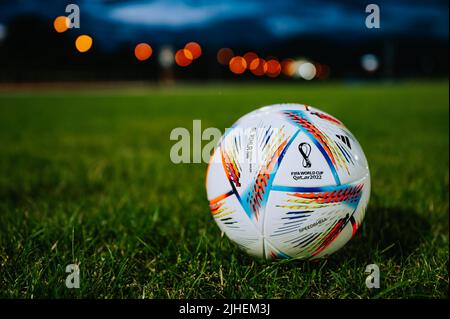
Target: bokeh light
273, 68
369, 62
183, 57
307, 71
166, 57
143, 51
195, 49
224, 56
61, 24
296, 66
249, 57
258, 67
238, 65
83, 43
322, 71
288, 67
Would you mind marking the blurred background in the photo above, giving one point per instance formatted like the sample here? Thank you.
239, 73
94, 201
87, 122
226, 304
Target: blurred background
289, 40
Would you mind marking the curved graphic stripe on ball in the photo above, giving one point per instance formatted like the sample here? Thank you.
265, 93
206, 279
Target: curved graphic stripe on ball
318, 138
216, 203
278, 255
326, 117
337, 148
331, 235
258, 191
231, 169
255, 198
312, 130
349, 195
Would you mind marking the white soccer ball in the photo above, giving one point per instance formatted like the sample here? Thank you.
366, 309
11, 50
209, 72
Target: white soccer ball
288, 181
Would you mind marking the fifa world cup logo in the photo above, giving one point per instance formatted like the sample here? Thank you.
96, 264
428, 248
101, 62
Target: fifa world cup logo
305, 150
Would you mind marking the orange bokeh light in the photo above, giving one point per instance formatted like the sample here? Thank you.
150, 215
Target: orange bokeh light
238, 65
143, 51
258, 67
288, 67
224, 56
273, 68
194, 48
83, 43
249, 57
183, 57
61, 24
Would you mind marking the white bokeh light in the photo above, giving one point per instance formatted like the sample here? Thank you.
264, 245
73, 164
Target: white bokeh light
307, 71
166, 57
296, 68
369, 62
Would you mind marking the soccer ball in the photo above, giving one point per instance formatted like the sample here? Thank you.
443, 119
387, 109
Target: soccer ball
288, 181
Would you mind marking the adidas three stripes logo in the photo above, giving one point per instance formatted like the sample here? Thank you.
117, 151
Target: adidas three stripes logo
344, 139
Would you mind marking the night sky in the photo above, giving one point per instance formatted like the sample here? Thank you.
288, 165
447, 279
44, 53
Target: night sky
233, 22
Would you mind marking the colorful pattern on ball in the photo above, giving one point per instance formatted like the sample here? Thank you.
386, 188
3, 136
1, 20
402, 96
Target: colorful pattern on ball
288, 181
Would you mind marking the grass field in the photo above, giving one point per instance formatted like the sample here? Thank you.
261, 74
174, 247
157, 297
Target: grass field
85, 177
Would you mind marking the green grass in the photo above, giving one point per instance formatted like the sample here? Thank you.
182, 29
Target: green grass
85, 177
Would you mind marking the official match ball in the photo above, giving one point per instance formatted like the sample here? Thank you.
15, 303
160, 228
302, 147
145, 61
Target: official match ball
288, 181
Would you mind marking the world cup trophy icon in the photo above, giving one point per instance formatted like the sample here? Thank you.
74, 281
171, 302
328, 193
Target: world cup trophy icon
305, 150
